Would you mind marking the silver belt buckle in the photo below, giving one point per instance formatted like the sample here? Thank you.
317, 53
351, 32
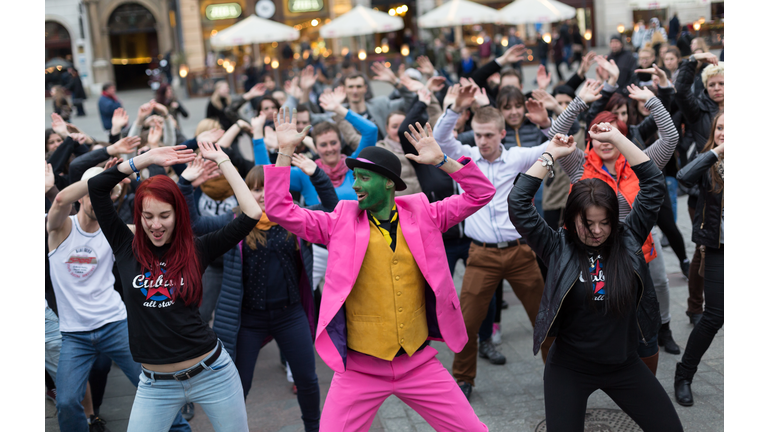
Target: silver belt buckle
502, 245
178, 376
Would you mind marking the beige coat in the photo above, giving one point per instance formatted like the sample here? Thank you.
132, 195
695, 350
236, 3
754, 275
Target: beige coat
407, 173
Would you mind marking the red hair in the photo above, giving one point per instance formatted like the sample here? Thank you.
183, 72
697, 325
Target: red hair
606, 117
181, 259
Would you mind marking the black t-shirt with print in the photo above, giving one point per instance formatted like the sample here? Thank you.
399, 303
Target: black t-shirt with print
586, 331
160, 330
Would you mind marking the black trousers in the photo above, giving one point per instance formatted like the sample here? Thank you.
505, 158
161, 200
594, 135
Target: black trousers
568, 383
714, 310
667, 225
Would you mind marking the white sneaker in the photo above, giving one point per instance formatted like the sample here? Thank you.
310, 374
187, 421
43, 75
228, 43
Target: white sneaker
496, 336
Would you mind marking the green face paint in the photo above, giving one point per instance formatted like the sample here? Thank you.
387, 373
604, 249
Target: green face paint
377, 196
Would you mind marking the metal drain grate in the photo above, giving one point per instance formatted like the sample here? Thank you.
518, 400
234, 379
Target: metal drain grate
602, 420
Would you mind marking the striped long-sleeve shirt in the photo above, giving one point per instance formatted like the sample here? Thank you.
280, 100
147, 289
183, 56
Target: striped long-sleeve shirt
659, 152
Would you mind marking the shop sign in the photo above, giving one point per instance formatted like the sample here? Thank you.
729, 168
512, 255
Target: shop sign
298, 6
223, 11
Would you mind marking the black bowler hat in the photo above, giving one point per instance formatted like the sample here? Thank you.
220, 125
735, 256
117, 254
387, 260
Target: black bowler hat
380, 161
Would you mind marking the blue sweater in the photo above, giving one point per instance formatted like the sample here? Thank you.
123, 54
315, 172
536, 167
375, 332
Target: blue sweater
300, 182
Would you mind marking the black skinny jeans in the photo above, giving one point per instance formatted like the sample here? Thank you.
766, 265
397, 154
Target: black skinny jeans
631, 385
667, 225
290, 328
714, 309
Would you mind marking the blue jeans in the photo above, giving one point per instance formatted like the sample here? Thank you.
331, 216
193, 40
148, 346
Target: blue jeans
52, 342
78, 353
672, 187
290, 329
217, 389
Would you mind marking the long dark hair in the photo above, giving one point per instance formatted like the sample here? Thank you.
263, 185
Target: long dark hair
717, 181
617, 266
181, 259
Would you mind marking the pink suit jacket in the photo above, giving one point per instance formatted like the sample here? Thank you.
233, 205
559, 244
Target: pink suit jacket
346, 232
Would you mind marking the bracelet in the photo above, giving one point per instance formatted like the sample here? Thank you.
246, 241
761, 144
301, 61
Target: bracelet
225, 160
550, 156
445, 159
133, 167
548, 164
286, 155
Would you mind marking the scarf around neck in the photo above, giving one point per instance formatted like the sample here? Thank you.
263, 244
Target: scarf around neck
105, 94
264, 222
395, 146
337, 173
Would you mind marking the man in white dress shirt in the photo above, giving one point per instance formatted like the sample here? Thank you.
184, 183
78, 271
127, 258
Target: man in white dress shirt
497, 251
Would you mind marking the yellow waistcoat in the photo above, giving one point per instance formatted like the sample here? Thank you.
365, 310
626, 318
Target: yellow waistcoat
386, 309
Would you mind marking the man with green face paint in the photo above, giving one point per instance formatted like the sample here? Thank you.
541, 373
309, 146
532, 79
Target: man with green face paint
388, 289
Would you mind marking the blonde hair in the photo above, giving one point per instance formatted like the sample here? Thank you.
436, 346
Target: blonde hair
712, 70
702, 43
206, 125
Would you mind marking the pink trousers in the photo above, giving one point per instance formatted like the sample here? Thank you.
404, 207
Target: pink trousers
420, 381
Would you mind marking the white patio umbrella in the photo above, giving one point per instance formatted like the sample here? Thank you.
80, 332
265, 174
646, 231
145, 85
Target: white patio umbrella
536, 11
459, 13
254, 30
361, 21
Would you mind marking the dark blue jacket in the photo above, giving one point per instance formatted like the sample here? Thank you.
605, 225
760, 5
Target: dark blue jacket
226, 322
107, 107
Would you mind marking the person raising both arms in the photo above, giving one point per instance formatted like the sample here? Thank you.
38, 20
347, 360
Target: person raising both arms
161, 267
599, 290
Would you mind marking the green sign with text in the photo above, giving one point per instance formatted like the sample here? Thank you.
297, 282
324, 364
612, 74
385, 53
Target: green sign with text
297, 6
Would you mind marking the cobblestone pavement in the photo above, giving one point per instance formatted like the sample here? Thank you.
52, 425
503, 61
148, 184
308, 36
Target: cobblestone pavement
506, 398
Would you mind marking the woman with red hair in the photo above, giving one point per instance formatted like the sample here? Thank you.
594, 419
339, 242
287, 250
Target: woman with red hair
603, 161
161, 266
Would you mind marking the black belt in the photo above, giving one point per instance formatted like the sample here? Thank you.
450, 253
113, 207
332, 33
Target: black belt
502, 245
189, 373
402, 350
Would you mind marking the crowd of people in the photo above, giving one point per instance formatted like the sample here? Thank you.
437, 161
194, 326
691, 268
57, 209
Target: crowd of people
178, 256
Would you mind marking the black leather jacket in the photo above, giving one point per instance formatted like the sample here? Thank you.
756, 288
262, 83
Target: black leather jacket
709, 206
558, 252
698, 109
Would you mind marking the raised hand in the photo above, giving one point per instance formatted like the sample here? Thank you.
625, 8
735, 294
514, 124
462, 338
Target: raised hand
257, 125
424, 95
465, 98
561, 145
270, 139
451, 95
656, 72
153, 138
610, 67
308, 78
536, 113
513, 55
425, 66
145, 110
212, 151
410, 83
194, 169
309, 143
586, 62
590, 91
292, 88
305, 164
602, 74
112, 162
162, 109
50, 179
124, 146
285, 129
331, 100
59, 125
119, 119
640, 94
244, 126
547, 99
436, 83
167, 156
383, 73
256, 91
706, 57
424, 142
543, 77
79, 137
212, 135
605, 132
481, 97
210, 170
